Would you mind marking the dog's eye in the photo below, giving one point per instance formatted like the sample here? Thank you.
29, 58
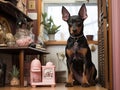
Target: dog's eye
79, 23
70, 23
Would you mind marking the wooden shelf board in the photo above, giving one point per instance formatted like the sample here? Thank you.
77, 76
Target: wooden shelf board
55, 42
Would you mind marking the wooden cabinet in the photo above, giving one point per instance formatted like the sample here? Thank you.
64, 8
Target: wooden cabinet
104, 44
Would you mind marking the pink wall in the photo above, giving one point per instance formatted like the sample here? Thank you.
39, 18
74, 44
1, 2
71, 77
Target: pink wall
116, 43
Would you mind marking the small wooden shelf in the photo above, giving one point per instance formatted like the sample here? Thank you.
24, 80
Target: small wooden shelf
55, 42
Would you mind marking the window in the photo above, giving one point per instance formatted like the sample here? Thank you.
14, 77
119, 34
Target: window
90, 24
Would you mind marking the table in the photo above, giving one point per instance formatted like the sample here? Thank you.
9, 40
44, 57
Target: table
22, 51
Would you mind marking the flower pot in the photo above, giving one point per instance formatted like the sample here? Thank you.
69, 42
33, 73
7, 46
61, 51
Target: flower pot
89, 37
14, 82
51, 36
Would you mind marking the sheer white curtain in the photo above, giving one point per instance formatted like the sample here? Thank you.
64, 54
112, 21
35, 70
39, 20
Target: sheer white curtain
90, 24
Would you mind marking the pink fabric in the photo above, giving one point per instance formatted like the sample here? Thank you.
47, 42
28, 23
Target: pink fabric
116, 43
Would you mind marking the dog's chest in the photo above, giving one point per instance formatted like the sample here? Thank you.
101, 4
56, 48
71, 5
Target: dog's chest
76, 48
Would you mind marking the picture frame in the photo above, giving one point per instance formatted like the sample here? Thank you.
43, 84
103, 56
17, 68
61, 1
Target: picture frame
32, 5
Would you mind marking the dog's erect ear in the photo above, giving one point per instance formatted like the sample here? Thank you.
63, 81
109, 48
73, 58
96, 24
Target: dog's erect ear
65, 14
83, 12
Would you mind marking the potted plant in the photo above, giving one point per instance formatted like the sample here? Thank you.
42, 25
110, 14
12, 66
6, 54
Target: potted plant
50, 27
15, 76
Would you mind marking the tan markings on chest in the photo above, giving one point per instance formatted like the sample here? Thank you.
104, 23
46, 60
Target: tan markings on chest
82, 51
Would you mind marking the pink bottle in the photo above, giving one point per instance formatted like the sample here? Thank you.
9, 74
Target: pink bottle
35, 72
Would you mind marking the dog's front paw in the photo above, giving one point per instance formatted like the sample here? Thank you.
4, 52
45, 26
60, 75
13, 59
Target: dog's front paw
68, 85
85, 85
93, 83
76, 83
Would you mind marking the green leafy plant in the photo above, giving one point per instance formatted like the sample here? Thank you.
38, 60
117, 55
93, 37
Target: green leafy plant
49, 25
14, 72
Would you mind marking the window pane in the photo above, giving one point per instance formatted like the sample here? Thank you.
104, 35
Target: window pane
90, 24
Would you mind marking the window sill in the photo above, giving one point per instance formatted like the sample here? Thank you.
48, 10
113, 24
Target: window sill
55, 42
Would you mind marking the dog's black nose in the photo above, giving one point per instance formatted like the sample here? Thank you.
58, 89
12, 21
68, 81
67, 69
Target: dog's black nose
74, 30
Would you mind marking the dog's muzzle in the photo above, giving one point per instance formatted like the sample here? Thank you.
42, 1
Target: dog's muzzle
74, 30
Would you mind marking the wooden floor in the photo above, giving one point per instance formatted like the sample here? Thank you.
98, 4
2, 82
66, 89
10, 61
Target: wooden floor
58, 87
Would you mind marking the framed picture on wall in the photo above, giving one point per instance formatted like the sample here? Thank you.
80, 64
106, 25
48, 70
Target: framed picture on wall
32, 5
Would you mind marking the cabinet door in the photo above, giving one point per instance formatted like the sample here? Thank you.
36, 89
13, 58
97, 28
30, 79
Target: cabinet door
103, 56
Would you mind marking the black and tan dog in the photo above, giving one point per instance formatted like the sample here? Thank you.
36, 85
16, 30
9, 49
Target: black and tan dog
81, 70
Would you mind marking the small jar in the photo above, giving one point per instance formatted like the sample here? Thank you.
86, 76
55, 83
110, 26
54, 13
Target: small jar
23, 38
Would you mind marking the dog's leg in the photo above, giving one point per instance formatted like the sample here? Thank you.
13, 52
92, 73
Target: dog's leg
84, 82
91, 75
90, 70
77, 78
69, 82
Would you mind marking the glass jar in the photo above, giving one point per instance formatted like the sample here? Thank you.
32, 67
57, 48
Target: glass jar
23, 38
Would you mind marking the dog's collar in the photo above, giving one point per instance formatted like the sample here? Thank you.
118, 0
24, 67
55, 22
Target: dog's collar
76, 37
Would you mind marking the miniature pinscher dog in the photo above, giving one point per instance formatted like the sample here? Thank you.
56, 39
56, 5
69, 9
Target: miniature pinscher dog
81, 70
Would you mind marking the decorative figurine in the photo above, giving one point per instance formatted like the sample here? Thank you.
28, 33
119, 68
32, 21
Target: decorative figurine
42, 75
